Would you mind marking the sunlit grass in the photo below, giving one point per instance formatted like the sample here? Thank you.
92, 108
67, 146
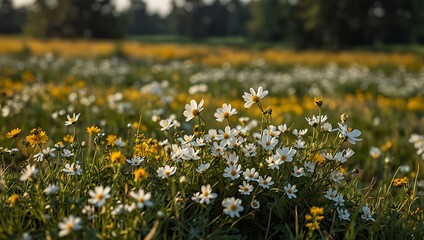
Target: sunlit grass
123, 149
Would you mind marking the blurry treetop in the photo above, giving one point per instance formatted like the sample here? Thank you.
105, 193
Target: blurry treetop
303, 23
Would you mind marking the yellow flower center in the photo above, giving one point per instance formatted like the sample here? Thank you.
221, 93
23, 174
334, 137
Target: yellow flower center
233, 207
99, 196
69, 226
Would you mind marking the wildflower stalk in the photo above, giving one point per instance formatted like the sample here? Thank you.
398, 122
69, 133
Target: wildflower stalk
268, 224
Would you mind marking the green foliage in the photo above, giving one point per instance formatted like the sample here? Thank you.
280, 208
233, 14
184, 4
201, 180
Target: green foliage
75, 18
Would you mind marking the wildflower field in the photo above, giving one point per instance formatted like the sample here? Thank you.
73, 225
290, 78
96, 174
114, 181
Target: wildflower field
162, 141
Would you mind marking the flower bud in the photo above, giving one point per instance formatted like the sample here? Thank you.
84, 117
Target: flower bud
318, 101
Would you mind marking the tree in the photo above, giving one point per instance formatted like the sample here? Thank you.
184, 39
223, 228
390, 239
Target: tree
11, 19
75, 18
269, 19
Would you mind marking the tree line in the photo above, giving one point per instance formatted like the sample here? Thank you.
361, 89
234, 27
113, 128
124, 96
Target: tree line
304, 23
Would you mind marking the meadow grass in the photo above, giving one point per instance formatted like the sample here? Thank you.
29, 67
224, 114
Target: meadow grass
171, 146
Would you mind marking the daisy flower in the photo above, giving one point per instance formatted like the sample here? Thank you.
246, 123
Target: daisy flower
339, 157
51, 189
220, 149
166, 171
72, 169
253, 96
265, 182
166, 124
232, 158
69, 225
72, 120
212, 133
339, 200
225, 135
39, 157
283, 128
186, 139
199, 142
31, 172
135, 161
367, 215
203, 167
299, 144
67, 153
232, 171
206, 194
343, 214
330, 194
267, 142
290, 191
225, 112
298, 172
299, 133
310, 166
196, 197
49, 152
142, 199
285, 154
249, 150
351, 136
272, 131
314, 121
327, 127
190, 154
255, 204
273, 163
375, 152
250, 174
348, 153
246, 188
336, 176
232, 207
193, 109
235, 142
99, 196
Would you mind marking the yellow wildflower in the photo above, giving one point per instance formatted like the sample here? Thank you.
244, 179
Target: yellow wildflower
68, 138
13, 133
14, 199
111, 140
318, 101
117, 157
140, 174
397, 182
38, 136
93, 130
315, 211
313, 219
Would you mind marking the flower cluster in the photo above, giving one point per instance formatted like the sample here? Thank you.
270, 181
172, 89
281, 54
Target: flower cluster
228, 176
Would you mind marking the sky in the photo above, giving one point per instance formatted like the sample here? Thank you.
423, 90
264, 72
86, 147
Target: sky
163, 7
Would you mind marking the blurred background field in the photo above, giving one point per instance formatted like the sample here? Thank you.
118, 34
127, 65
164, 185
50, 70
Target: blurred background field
103, 57
114, 64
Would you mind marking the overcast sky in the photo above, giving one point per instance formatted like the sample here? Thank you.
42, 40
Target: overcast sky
163, 7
